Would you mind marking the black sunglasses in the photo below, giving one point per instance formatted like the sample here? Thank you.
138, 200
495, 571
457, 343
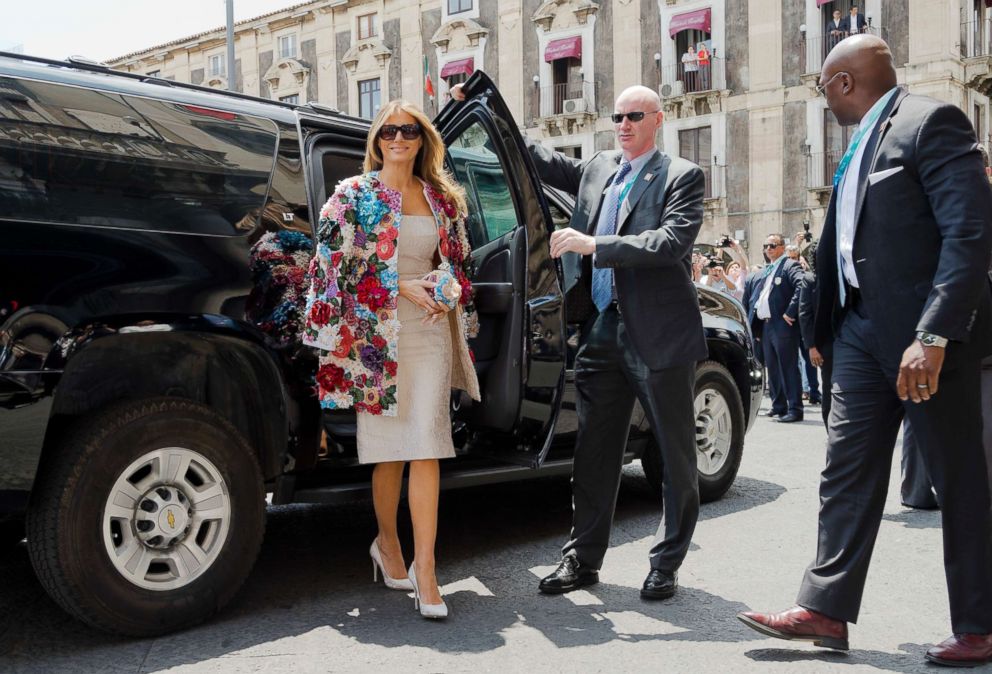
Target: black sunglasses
632, 116
409, 131
772, 245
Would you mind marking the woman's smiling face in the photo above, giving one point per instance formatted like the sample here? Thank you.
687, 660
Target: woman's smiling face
399, 149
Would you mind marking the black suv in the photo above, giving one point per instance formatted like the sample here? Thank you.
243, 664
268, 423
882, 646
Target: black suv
154, 241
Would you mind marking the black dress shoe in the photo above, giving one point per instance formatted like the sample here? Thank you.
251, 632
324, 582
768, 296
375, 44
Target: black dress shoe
771, 414
816, 401
570, 575
790, 418
659, 585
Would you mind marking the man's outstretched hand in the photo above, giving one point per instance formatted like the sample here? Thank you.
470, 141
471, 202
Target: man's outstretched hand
457, 92
570, 240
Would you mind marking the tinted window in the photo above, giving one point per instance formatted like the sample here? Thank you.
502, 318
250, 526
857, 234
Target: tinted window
95, 158
478, 169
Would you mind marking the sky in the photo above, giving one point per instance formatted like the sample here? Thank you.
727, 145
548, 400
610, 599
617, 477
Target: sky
104, 29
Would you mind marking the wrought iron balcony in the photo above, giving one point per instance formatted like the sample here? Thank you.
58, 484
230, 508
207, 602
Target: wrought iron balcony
681, 79
821, 167
575, 99
814, 48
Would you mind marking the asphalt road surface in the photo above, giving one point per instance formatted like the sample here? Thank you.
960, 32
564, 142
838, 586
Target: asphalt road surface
310, 605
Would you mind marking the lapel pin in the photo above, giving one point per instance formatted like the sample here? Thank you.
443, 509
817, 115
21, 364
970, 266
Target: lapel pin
648, 177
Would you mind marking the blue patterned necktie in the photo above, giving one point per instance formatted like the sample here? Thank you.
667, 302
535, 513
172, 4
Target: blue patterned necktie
602, 278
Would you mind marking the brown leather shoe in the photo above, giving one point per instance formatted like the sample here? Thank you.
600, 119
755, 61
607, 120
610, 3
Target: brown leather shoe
962, 650
799, 624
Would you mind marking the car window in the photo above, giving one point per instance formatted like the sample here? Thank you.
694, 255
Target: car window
477, 167
558, 217
88, 157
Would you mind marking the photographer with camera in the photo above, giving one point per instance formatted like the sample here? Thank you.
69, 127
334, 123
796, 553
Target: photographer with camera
733, 274
717, 278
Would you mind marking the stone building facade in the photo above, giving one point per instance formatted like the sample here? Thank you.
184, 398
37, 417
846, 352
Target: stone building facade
746, 110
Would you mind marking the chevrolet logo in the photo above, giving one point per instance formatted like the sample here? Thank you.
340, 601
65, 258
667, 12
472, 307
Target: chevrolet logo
172, 520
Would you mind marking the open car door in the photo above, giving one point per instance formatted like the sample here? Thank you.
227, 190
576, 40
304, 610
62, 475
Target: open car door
520, 351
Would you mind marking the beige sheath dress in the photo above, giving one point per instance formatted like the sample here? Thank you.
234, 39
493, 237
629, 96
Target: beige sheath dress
422, 428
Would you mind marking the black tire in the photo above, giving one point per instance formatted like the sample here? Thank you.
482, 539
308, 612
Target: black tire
65, 535
714, 376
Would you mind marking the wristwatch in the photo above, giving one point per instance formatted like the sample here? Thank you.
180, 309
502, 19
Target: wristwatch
930, 339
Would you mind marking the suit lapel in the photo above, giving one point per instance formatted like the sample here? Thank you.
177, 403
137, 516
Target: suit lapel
594, 218
656, 170
871, 152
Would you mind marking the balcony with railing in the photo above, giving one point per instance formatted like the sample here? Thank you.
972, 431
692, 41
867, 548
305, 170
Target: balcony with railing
679, 80
976, 50
566, 105
813, 49
820, 169
715, 180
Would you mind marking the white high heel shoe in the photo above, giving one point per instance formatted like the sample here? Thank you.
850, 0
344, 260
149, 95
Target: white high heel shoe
392, 583
432, 611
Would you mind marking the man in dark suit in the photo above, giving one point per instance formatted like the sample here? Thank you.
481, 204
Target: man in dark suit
904, 297
834, 32
629, 244
816, 358
854, 23
771, 298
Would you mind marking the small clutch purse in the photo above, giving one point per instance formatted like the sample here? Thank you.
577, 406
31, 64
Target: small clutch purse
447, 290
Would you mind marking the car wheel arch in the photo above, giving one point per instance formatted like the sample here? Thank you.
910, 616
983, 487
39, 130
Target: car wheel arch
233, 376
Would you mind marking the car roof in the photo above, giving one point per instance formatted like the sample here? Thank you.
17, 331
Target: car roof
91, 75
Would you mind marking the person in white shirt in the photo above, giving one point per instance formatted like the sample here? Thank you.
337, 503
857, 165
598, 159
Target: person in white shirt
690, 69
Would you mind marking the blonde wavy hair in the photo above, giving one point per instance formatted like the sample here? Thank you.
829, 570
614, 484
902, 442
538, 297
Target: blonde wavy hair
429, 165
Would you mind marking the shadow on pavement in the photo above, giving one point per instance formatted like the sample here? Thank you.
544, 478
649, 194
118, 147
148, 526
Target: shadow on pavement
909, 660
915, 518
312, 577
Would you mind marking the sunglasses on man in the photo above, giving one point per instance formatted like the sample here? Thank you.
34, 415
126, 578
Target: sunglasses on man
772, 245
632, 116
408, 131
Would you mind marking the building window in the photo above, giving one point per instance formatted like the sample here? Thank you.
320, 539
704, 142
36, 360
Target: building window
215, 65
696, 145
458, 6
293, 100
368, 26
155, 73
287, 46
368, 98
573, 151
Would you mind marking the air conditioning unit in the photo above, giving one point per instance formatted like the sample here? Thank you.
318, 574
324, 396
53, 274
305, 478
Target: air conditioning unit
572, 106
676, 88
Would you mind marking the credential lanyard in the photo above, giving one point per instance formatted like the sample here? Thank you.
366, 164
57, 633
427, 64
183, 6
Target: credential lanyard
863, 130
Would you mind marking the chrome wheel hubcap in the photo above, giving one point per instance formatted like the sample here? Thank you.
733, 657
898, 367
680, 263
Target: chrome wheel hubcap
166, 518
714, 431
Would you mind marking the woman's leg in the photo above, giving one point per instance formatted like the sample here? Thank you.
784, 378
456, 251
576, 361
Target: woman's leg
425, 480
387, 482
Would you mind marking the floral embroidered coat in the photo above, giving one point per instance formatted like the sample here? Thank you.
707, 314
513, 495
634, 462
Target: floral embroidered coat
354, 288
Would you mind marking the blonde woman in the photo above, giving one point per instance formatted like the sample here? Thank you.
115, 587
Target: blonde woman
394, 344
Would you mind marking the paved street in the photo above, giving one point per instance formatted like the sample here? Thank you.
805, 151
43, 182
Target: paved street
309, 605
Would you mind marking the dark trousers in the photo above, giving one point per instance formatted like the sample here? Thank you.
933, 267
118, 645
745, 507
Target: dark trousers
811, 374
609, 376
987, 413
826, 378
862, 429
781, 344
916, 489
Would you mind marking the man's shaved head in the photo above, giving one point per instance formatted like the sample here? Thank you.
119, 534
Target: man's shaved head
856, 73
641, 94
